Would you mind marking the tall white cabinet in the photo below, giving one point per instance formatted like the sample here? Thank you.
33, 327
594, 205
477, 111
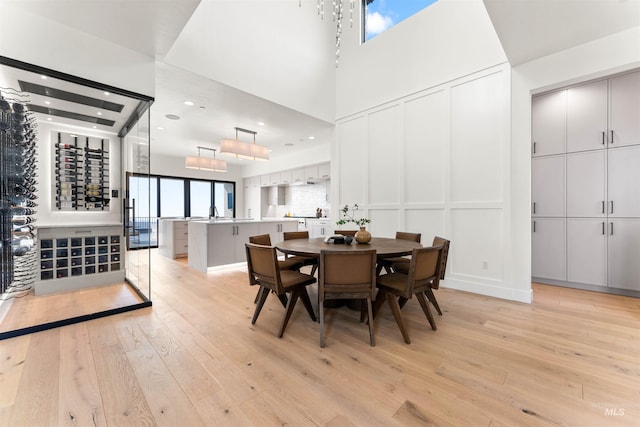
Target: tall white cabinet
586, 184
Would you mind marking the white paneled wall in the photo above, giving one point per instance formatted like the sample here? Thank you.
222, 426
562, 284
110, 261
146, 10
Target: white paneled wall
438, 164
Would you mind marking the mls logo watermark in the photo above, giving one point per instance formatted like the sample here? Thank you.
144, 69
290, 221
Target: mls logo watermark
614, 412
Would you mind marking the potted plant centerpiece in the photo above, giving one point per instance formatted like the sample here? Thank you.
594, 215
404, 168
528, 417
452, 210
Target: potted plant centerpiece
348, 215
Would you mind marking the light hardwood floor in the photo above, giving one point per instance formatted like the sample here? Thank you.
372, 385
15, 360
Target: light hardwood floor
572, 358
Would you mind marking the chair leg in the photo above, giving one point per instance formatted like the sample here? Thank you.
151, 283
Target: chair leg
427, 312
283, 299
395, 309
402, 301
370, 310
363, 310
432, 298
263, 293
380, 297
257, 295
304, 296
321, 313
314, 267
287, 315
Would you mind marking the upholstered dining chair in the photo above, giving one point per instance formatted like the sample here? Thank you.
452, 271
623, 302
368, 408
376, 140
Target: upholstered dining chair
285, 264
424, 269
264, 271
347, 275
404, 268
313, 262
387, 263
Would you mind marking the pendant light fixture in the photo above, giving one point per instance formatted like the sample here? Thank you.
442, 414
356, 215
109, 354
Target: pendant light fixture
244, 150
205, 163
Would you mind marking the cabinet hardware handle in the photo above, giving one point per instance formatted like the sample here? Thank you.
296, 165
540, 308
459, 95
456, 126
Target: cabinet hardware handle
534, 226
612, 206
612, 136
603, 232
534, 147
603, 137
534, 207
611, 224
603, 206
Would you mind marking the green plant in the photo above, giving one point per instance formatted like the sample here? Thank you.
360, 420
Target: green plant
348, 215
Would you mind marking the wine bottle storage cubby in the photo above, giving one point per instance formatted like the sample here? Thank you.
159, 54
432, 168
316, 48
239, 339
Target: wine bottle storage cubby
81, 165
79, 257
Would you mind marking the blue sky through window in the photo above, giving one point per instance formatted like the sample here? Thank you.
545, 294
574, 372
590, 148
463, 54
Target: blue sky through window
384, 14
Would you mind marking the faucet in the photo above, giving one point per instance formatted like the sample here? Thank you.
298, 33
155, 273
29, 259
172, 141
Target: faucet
213, 212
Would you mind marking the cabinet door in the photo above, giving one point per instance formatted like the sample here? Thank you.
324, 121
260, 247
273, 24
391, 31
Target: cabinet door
548, 123
587, 251
242, 233
274, 179
623, 185
285, 177
324, 171
311, 173
265, 181
586, 184
220, 248
297, 176
624, 250
548, 241
587, 117
625, 110
548, 186
273, 229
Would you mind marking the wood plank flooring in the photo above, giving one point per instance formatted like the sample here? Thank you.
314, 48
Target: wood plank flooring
572, 358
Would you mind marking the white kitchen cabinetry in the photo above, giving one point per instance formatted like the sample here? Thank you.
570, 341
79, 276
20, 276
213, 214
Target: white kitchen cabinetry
586, 184
265, 181
624, 181
319, 228
587, 251
549, 248
285, 178
625, 110
624, 250
324, 171
252, 197
311, 173
548, 123
548, 186
274, 179
297, 176
212, 244
587, 117
276, 230
173, 238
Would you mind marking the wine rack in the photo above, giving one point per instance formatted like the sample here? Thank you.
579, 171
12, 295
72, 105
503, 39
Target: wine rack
79, 257
81, 165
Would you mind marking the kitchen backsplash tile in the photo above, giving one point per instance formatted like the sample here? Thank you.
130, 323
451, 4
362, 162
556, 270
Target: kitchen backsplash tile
303, 200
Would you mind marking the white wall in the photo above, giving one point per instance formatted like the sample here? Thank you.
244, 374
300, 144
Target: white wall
616, 53
445, 41
36, 40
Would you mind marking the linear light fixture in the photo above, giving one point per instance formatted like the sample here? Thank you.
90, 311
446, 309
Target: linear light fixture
244, 150
205, 163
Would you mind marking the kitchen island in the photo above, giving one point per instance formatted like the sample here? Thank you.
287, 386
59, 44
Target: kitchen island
221, 241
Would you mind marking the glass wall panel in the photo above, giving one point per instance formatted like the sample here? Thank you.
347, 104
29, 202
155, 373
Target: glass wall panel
200, 199
171, 197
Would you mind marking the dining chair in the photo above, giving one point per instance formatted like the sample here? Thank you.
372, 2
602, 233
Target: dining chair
347, 275
304, 260
403, 268
387, 263
351, 233
285, 264
264, 271
424, 269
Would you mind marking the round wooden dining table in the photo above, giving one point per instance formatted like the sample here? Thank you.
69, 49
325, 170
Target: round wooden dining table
385, 247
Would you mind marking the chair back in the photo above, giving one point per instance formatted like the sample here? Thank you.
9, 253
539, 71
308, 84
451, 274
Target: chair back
262, 239
262, 264
413, 237
441, 241
351, 233
344, 275
424, 269
290, 235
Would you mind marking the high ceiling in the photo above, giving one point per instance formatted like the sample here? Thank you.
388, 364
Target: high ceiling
271, 61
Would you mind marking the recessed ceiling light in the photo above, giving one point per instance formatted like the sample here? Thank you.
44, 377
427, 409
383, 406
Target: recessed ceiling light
47, 102
106, 93
95, 127
99, 113
312, 137
43, 77
160, 128
260, 123
172, 117
189, 103
49, 118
